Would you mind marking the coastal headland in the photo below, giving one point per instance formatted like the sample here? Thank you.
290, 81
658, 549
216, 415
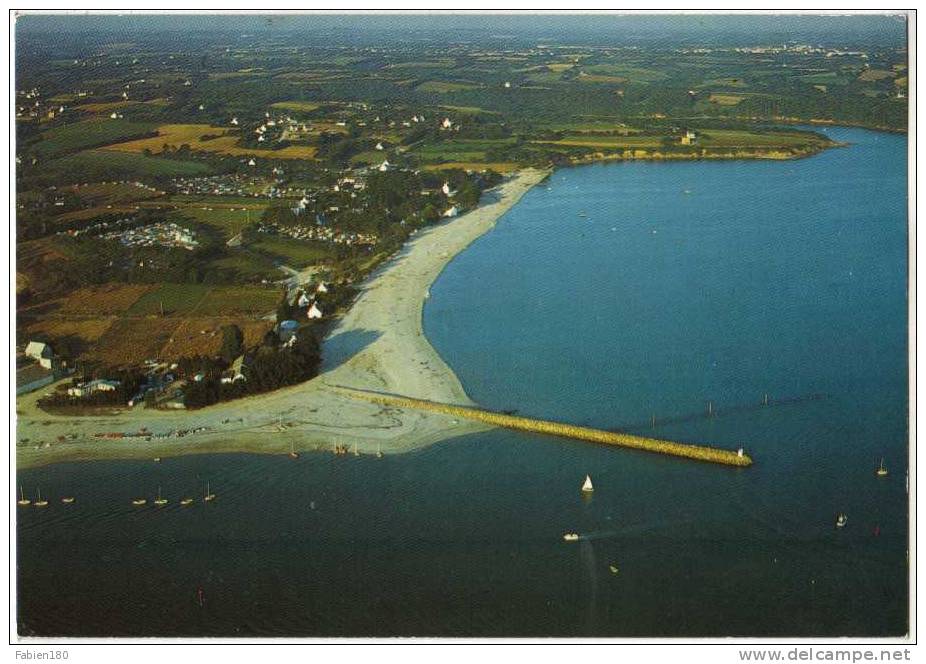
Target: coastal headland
378, 345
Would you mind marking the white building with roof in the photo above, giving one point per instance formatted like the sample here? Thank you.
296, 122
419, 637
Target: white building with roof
41, 352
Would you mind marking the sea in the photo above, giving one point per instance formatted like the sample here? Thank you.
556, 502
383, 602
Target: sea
754, 304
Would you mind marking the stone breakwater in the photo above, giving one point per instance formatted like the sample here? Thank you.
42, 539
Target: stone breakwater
685, 450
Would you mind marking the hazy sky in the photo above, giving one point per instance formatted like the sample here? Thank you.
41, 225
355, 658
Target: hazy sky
704, 28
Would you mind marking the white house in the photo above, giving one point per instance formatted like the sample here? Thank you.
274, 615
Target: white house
379, 146
41, 352
452, 212
304, 300
252, 163
385, 166
314, 311
234, 121
321, 288
446, 124
446, 189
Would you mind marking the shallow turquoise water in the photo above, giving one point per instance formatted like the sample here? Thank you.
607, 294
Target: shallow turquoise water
683, 283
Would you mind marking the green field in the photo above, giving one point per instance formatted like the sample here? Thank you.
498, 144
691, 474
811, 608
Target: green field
227, 222
446, 86
96, 165
248, 265
174, 298
634, 74
239, 300
459, 150
294, 253
203, 300
87, 134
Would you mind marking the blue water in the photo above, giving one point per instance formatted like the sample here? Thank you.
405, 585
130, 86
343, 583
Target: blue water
778, 278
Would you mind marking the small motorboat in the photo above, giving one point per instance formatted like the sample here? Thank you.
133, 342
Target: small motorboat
157, 459
841, 520
587, 485
613, 568
186, 501
68, 500
881, 471
140, 501
571, 537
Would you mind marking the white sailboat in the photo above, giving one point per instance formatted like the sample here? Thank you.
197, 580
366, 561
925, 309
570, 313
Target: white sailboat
23, 501
587, 485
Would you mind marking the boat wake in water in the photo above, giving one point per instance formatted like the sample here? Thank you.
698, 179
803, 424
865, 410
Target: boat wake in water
589, 561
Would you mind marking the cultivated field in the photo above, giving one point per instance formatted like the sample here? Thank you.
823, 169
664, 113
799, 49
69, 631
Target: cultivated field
88, 134
176, 135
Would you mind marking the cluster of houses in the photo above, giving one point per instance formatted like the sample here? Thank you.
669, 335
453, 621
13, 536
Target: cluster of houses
161, 234
308, 303
220, 185
319, 233
92, 387
99, 227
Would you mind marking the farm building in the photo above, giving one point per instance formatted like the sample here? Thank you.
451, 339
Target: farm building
42, 353
688, 137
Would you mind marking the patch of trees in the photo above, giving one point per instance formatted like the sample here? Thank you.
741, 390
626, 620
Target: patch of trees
270, 366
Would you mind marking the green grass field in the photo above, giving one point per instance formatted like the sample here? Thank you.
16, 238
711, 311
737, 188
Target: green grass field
203, 300
177, 299
87, 134
239, 300
446, 86
228, 222
469, 150
248, 265
294, 253
95, 165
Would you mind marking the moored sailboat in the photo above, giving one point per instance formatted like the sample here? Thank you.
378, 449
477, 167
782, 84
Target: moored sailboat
39, 501
23, 501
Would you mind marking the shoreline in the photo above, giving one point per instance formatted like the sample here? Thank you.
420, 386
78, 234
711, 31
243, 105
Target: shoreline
379, 344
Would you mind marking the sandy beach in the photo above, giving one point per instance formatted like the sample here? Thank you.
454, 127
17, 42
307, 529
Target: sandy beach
377, 345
